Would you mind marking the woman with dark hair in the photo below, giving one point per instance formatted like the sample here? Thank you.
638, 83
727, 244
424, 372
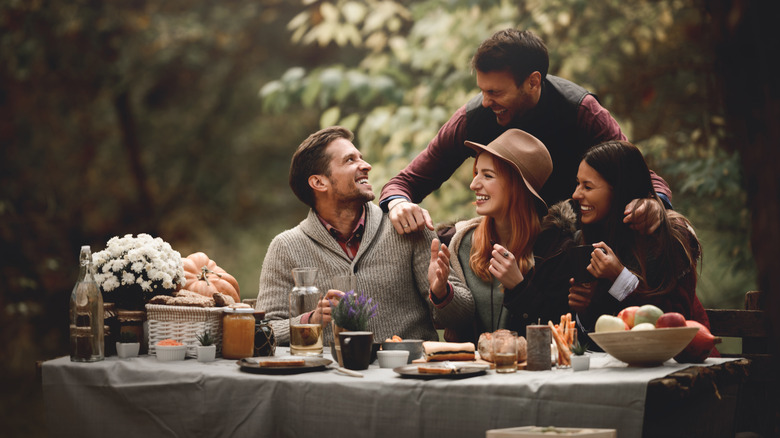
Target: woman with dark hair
630, 268
493, 254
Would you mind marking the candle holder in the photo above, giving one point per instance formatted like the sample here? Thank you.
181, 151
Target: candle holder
539, 339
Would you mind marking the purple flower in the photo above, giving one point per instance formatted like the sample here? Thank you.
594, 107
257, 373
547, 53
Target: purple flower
353, 311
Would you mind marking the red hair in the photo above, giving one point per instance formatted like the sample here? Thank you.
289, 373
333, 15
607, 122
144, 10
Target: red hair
524, 221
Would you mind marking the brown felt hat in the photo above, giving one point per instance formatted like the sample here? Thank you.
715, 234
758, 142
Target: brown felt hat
526, 154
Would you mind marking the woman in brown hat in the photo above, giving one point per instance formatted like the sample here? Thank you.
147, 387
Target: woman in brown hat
492, 256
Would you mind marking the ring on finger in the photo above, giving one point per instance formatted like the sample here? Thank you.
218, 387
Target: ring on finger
506, 253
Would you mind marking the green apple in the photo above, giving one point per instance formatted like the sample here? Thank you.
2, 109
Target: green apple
609, 323
647, 313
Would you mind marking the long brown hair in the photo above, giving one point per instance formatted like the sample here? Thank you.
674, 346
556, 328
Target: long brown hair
524, 223
673, 246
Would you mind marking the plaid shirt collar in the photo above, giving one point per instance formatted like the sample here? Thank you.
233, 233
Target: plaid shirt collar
351, 243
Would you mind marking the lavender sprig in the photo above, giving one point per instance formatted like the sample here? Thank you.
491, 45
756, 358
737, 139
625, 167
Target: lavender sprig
353, 311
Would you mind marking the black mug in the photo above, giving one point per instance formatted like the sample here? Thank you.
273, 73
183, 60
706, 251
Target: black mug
579, 258
356, 349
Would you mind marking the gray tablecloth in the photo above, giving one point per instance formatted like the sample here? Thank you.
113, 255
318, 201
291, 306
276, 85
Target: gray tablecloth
143, 397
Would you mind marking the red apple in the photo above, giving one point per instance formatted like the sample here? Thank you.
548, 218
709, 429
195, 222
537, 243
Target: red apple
628, 314
670, 319
700, 346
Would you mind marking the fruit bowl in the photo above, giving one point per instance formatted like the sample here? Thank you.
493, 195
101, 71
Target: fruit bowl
645, 348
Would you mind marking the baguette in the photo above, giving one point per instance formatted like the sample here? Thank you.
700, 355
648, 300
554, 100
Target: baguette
439, 351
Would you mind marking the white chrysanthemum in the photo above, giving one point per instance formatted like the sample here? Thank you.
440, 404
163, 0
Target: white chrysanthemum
128, 278
143, 260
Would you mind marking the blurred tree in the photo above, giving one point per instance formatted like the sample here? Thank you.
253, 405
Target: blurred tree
128, 117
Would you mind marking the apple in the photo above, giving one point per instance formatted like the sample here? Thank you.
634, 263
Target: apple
627, 315
670, 319
644, 326
609, 323
700, 346
647, 313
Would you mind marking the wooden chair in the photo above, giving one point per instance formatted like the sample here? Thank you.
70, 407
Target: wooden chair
751, 325
756, 399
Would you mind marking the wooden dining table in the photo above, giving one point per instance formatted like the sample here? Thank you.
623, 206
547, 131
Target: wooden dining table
144, 397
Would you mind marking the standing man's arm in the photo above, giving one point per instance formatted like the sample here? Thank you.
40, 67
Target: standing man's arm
426, 173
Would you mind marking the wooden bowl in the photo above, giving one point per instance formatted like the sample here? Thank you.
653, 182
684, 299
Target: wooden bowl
645, 347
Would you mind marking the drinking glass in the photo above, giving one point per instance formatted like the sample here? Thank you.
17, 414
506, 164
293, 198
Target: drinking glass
505, 351
343, 283
305, 339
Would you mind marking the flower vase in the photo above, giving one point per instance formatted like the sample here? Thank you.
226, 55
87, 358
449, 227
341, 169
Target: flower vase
336, 347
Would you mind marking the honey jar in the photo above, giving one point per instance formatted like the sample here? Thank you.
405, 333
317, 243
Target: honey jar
238, 332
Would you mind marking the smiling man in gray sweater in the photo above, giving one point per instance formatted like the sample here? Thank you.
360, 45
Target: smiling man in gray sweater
346, 234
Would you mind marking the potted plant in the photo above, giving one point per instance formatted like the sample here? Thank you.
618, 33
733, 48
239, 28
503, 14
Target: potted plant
579, 360
350, 319
133, 269
127, 345
207, 351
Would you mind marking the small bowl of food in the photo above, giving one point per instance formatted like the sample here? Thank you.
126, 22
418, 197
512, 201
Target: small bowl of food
392, 358
169, 350
413, 346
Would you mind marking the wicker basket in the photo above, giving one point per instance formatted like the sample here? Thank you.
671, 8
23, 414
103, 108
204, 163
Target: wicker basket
183, 324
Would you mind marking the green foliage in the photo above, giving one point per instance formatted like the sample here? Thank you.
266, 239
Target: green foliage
649, 62
578, 349
205, 338
127, 337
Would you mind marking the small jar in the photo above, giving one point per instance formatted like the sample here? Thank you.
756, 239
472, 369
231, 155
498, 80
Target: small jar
133, 321
238, 333
265, 340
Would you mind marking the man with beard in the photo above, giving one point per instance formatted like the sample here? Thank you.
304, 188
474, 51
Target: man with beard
346, 234
516, 92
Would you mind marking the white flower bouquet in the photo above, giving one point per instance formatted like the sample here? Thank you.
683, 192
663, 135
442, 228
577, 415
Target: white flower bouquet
133, 269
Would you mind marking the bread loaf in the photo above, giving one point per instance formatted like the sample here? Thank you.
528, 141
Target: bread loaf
438, 351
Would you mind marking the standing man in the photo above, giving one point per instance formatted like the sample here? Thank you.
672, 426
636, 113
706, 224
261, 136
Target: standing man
511, 69
346, 234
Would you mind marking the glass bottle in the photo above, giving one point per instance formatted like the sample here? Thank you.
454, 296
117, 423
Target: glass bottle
86, 314
265, 340
305, 339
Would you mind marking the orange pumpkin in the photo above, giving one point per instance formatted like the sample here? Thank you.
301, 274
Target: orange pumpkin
203, 276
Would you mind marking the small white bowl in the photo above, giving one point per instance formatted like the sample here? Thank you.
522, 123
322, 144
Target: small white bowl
392, 358
167, 353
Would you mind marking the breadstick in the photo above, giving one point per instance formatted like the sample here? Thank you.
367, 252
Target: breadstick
563, 351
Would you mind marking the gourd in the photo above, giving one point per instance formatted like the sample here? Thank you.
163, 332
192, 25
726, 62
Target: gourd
203, 276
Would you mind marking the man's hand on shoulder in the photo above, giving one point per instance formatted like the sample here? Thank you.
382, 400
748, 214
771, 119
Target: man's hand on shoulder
644, 215
408, 217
